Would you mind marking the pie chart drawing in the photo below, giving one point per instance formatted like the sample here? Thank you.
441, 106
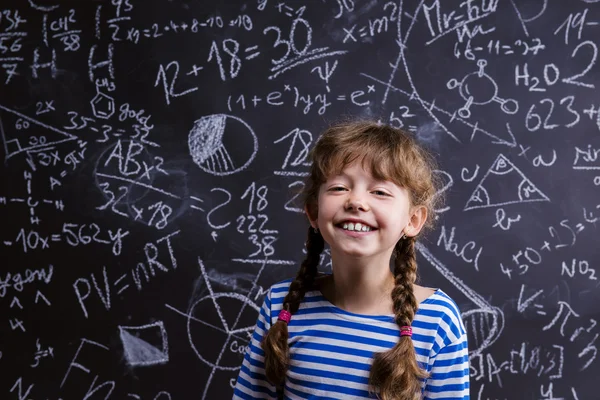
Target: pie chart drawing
207, 320
222, 144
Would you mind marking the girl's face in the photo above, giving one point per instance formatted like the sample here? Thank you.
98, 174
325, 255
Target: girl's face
359, 216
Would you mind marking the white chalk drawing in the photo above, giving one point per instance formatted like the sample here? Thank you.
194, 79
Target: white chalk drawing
503, 184
539, 14
299, 51
22, 126
209, 151
213, 318
587, 159
138, 347
31, 201
435, 111
44, 8
524, 20
103, 105
453, 117
481, 82
485, 323
15, 303
39, 295
128, 176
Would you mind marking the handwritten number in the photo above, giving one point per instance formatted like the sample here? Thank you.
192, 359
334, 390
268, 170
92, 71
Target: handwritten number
279, 42
573, 79
169, 86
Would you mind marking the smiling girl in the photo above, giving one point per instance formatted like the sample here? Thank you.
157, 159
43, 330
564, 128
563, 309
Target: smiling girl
366, 330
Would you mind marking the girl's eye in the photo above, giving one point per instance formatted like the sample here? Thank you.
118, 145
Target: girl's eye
380, 193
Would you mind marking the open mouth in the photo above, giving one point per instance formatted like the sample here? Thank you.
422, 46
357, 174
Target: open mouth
355, 227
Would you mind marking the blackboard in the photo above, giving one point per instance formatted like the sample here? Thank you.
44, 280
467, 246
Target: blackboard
152, 152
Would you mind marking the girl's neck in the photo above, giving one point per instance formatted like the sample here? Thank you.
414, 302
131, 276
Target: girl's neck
364, 291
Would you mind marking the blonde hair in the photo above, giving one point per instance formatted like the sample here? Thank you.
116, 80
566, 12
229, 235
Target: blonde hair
394, 155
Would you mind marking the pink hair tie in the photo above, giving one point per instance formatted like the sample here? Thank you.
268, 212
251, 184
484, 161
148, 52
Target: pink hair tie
285, 316
405, 331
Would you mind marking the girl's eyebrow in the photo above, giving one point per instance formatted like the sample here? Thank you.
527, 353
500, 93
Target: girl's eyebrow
376, 181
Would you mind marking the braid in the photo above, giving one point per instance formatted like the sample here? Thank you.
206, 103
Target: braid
395, 372
405, 274
275, 343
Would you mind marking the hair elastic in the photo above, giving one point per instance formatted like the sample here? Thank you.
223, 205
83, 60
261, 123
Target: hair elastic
284, 316
405, 331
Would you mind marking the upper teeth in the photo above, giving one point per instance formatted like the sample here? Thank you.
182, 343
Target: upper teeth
356, 227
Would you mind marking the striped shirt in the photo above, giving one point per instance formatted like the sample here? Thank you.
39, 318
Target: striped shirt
331, 350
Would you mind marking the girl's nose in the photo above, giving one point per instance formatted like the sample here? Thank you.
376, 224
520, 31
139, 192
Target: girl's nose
356, 203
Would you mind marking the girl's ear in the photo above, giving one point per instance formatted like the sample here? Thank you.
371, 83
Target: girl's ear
416, 222
311, 214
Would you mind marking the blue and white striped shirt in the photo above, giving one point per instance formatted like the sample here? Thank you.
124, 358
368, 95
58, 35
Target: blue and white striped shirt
331, 350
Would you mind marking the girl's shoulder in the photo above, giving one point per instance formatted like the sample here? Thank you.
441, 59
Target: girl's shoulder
439, 303
277, 292
281, 286
440, 313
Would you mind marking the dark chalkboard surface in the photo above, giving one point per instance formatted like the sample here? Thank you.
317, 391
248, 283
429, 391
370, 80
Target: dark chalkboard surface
152, 151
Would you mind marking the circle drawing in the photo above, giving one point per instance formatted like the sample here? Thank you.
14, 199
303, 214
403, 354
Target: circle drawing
197, 331
222, 144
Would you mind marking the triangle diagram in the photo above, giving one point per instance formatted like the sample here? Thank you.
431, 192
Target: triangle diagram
138, 351
504, 184
21, 133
